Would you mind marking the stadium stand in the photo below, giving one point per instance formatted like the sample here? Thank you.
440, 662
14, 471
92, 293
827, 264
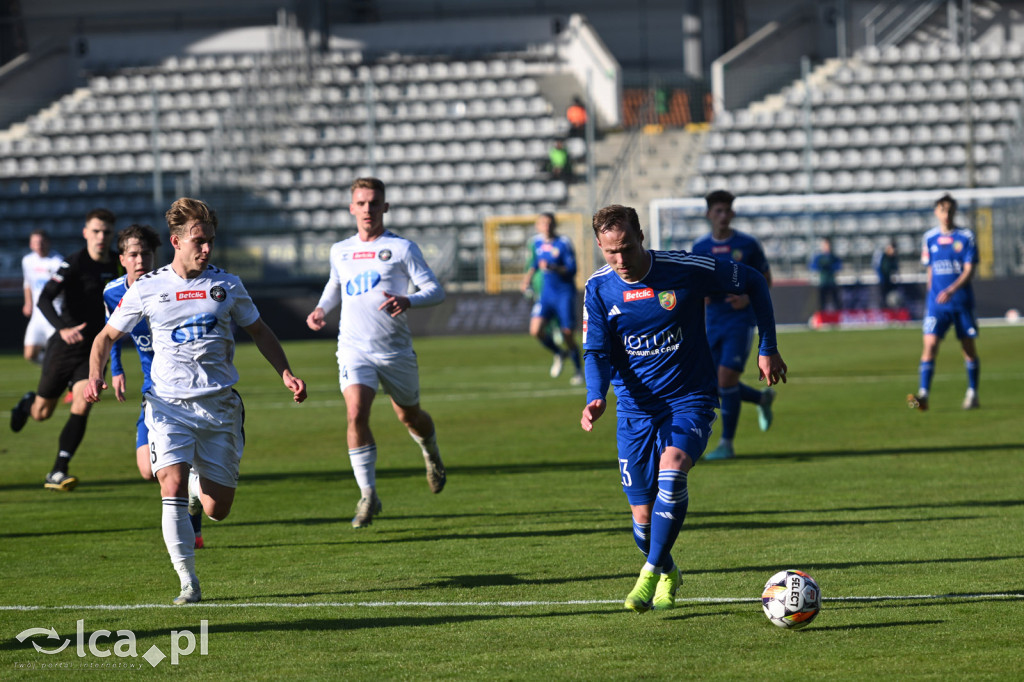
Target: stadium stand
886, 120
289, 131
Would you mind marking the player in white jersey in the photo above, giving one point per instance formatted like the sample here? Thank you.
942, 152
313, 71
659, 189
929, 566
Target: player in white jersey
370, 277
193, 413
37, 267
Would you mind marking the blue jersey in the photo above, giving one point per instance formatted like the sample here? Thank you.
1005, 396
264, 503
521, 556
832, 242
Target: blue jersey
946, 255
557, 252
742, 248
141, 335
647, 338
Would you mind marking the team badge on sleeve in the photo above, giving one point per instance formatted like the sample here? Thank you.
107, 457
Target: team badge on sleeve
667, 299
218, 294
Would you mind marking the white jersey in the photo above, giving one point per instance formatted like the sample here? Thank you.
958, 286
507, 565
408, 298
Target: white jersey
190, 320
361, 273
37, 271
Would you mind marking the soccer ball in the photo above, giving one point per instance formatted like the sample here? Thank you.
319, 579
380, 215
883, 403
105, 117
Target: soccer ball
791, 599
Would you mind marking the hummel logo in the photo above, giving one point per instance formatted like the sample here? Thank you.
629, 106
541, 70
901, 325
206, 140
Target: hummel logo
665, 515
614, 311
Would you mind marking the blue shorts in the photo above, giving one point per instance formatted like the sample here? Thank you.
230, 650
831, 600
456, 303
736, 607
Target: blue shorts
641, 441
730, 344
938, 321
561, 308
141, 430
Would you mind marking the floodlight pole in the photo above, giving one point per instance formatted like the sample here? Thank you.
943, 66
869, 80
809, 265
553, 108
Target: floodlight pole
158, 176
969, 98
805, 68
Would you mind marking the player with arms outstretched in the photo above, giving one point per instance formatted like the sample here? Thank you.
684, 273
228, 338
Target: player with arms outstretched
950, 254
370, 276
731, 322
194, 415
644, 334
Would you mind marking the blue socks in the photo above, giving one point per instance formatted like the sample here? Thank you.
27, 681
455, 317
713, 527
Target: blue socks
749, 394
973, 370
927, 370
667, 517
642, 537
730, 410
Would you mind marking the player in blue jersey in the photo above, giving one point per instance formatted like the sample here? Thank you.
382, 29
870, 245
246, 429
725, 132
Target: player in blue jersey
644, 334
137, 246
950, 255
554, 257
730, 322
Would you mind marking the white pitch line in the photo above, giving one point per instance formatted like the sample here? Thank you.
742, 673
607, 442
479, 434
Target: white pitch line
470, 604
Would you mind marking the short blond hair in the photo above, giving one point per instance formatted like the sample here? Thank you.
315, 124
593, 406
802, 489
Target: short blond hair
369, 183
185, 211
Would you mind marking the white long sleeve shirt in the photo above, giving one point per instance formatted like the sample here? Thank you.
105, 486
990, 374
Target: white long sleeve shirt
361, 273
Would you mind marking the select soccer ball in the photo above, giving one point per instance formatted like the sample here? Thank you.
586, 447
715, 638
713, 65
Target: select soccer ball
791, 599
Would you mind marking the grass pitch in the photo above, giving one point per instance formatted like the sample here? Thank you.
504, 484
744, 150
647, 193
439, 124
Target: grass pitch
910, 522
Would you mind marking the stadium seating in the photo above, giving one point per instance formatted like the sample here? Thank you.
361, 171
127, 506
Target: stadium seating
455, 139
889, 119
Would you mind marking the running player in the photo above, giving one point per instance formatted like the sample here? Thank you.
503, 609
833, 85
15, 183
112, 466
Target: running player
137, 246
644, 334
37, 267
554, 257
950, 255
80, 280
731, 322
194, 415
370, 275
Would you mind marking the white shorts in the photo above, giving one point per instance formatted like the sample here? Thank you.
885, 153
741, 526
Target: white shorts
206, 433
397, 375
39, 329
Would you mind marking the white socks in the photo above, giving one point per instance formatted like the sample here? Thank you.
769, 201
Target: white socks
180, 538
364, 466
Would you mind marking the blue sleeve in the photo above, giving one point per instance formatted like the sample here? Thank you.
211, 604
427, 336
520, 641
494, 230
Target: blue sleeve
761, 302
597, 366
598, 371
570, 261
116, 367
738, 278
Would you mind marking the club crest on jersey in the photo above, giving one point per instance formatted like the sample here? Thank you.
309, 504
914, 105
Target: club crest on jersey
384, 255
218, 294
667, 299
363, 255
637, 294
958, 246
190, 295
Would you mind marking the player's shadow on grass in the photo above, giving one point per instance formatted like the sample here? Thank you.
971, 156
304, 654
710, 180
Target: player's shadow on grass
509, 580
357, 622
943, 600
844, 565
868, 626
924, 450
971, 504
